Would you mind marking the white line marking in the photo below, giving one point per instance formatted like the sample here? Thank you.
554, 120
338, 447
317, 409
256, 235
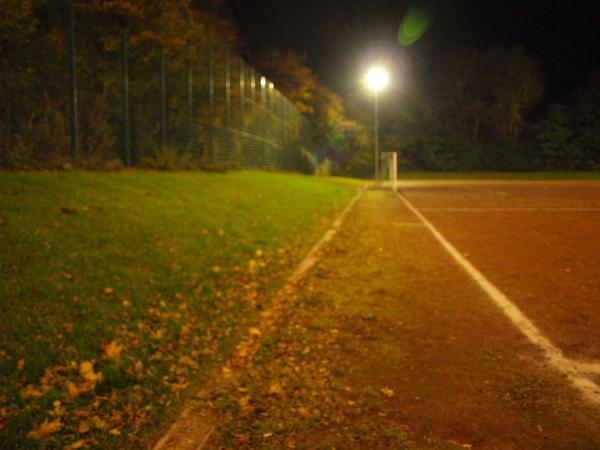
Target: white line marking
510, 209
407, 224
592, 368
310, 259
490, 191
571, 369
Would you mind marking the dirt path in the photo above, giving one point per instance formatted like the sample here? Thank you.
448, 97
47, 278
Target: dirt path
388, 344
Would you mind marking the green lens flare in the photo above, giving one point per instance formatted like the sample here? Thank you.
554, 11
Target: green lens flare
415, 23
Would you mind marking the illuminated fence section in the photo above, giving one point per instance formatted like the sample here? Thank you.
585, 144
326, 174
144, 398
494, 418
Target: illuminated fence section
141, 103
217, 111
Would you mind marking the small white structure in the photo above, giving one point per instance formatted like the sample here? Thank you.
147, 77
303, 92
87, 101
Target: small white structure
392, 158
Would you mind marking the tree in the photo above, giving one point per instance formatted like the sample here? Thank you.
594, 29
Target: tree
33, 52
513, 79
471, 113
587, 122
554, 138
291, 74
463, 83
322, 106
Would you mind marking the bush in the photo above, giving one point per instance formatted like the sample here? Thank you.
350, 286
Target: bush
307, 163
324, 169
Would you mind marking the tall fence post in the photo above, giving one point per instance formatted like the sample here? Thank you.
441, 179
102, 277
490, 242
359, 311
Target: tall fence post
211, 99
126, 118
242, 94
281, 120
163, 100
252, 85
242, 107
72, 82
227, 101
190, 86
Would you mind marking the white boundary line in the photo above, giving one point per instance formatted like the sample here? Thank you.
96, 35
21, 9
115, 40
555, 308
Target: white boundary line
511, 209
309, 260
573, 370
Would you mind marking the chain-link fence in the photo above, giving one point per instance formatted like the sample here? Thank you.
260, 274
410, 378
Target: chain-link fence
137, 102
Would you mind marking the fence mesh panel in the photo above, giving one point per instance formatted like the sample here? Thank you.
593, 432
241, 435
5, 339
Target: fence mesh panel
146, 105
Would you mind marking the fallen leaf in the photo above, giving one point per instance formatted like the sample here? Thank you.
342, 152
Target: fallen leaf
47, 379
84, 427
57, 410
115, 432
45, 429
108, 291
30, 391
78, 444
89, 385
252, 265
72, 390
275, 389
158, 334
20, 364
112, 350
175, 387
254, 331
242, 438
86, 369
99, 423
187, 361
387, 392
244, 401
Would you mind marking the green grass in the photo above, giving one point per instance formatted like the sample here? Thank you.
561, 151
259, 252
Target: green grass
172, 267
421, 175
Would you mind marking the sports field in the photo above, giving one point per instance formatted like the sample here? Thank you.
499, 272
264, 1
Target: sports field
537, 241
451, 314
456, 314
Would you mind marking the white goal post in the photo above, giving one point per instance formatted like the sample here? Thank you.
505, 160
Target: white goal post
392, 159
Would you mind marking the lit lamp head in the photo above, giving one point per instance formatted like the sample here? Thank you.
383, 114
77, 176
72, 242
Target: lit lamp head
377, 78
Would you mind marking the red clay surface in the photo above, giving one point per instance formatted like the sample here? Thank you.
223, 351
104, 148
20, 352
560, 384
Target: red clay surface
538, 242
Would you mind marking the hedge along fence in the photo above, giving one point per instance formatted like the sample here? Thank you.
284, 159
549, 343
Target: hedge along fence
110, 98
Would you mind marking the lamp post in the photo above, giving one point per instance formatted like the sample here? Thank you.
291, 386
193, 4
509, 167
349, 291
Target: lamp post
376, 79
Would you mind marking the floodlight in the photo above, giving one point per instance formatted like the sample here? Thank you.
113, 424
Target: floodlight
377, 78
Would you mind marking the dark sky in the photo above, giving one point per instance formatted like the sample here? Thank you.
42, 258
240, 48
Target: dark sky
340, 35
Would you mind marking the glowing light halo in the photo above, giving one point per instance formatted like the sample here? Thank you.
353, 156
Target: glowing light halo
413, 26
377, 78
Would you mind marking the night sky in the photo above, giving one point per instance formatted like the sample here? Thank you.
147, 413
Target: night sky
341, 36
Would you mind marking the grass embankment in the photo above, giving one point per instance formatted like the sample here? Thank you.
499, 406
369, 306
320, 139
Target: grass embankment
420, 175
118, 290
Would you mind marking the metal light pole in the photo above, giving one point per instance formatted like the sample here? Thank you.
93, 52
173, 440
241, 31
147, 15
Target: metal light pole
376, 79
376, 138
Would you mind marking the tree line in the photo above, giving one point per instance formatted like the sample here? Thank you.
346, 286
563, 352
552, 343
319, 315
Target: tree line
476, 110
485, 110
